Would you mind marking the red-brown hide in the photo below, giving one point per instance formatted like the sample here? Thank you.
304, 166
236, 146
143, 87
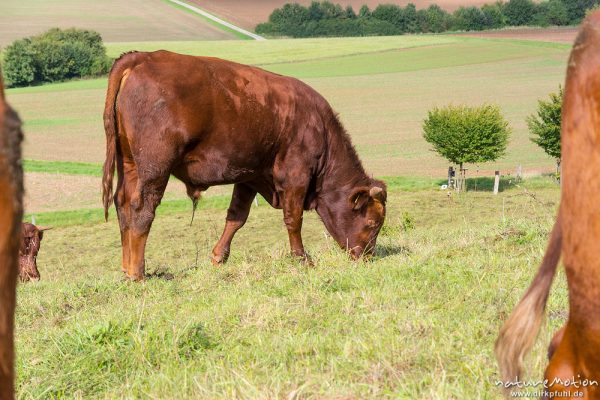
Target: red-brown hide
212, 122
575, 349
11, 192
31, 239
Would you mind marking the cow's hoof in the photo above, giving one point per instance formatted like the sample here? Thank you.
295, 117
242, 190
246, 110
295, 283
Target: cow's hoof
219, 259
306, 260
135, 278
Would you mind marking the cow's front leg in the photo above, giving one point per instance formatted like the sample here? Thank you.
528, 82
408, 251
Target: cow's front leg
293, 206
237, 214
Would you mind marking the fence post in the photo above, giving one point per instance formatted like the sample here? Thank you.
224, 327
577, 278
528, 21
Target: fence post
496, 181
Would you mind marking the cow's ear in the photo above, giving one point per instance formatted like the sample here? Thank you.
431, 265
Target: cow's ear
359, 198
377, 193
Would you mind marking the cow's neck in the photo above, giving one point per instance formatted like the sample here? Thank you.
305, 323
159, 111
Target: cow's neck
341, 175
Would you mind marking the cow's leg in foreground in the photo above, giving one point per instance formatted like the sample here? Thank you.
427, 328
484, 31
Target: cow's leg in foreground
11, 211
237, 214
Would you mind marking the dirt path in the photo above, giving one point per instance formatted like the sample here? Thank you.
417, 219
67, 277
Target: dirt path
218, 20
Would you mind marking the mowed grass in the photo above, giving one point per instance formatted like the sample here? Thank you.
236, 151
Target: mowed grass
381, 87
416, 322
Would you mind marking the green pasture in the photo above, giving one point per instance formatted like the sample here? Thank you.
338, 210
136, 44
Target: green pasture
418, 321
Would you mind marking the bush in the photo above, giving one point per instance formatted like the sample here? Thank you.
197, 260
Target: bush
463, 134
55, 55
545, 125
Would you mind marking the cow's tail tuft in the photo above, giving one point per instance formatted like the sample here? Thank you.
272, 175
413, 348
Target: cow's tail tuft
119, 70
519, 332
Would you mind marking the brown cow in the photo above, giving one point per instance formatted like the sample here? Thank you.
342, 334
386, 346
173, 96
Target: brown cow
11, 212
212, 122
31, 239
575, 349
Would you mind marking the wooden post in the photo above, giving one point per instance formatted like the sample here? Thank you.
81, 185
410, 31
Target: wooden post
519, 172
496, 181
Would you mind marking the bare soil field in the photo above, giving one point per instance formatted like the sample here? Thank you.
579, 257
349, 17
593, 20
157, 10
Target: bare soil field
556, 34
117, 21
248, 14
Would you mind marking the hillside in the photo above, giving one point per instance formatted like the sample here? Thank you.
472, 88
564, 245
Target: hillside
117, 21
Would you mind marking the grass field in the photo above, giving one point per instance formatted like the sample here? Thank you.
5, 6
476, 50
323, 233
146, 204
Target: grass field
417, 321
115, 20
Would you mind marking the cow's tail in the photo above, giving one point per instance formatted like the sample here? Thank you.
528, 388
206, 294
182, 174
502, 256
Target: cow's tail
119, 71
519, 332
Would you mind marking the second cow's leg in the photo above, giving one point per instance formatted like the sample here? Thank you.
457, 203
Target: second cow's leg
237, 214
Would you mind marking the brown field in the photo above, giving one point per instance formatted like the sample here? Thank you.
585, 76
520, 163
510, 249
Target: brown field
248, 14
117, 21
556, 34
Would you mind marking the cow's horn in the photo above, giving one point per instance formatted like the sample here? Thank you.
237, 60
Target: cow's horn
375, 191
44, 228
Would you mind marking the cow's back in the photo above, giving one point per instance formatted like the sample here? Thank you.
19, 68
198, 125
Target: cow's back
233, 117
10, 215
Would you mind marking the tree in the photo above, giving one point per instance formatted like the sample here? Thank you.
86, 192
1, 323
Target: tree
545, 125
519, 12
463, 134
19, 63
494, 15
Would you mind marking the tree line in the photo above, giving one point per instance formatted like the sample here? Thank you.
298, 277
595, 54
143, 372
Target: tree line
324, 18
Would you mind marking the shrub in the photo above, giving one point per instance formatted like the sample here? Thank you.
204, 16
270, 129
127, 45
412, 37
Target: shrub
463, 134
545, 125
54, 56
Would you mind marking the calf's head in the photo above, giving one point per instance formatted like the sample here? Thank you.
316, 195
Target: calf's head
356, 216
31, 239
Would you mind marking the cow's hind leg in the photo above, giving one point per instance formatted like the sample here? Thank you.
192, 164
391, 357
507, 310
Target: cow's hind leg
126, 185
237, 214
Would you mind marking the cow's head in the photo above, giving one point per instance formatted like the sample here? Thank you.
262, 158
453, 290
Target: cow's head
31, 238
356, 216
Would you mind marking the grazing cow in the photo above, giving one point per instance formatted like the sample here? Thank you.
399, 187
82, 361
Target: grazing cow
11, 212
212, 122
31, 239
575, 349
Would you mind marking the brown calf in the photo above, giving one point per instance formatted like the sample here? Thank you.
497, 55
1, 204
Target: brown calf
31, 239
11, 211
212, 122
575, 349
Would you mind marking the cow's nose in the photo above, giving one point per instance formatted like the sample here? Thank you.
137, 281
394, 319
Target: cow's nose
356, 252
